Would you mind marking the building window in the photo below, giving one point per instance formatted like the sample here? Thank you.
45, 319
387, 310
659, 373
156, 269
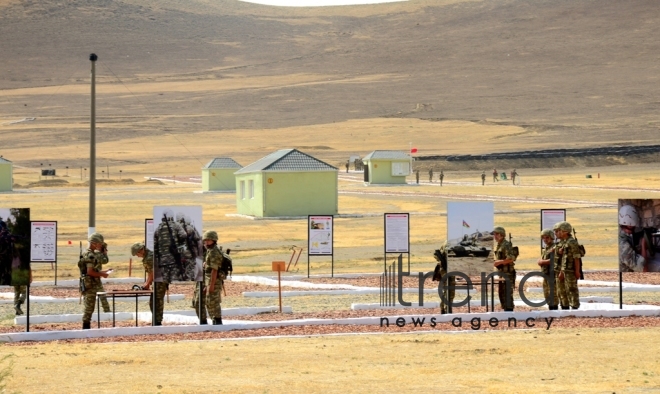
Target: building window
242, 190
251, 189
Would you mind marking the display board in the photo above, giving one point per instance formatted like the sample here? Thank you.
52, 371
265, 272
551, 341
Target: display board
639, 235
177, 242
550, 217
400, 169
320, 235
15, 245
43, 242
149, 234
397, 234
469, 239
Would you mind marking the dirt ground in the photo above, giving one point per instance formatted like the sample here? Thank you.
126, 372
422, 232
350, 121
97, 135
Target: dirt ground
182, 82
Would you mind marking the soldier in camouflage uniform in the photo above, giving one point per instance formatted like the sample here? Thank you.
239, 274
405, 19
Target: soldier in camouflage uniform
547, 258
140, 250
568, 252
93, 258
504, 264
170, 235
20, 294
195, 248
449, 290
213, 281
483, 178
442, 176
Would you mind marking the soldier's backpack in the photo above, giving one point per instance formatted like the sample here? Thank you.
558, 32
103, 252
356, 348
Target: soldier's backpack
226, 267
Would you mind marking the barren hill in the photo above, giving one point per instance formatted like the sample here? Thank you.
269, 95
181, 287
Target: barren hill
565, 72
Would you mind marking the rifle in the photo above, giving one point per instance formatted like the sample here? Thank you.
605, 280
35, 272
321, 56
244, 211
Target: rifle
580, 275
83, 274
174, 250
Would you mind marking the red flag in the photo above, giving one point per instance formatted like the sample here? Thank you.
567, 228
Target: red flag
413, 150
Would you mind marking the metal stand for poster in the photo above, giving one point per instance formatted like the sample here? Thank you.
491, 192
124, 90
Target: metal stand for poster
200, 303
27, 309
620, 290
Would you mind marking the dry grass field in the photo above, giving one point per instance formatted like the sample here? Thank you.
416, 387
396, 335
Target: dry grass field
516, 361
181, 82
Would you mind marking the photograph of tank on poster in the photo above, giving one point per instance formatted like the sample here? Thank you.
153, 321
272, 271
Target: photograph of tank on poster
639, 238
469, 242
178, 249
14, 246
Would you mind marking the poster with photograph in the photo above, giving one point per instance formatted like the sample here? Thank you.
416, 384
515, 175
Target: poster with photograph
397, 236
550, 217
149, 233
177, 240
14, 246
469, 239
43, 242
320, 236
639, 238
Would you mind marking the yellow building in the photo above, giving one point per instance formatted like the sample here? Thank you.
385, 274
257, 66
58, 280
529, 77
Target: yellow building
386, 167
218, 175
287, 183
6, 175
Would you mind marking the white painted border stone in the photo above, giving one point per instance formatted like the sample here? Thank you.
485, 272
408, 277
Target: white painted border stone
603, 310
4, 299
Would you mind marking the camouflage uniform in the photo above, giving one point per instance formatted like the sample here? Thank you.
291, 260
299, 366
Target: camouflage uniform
571, 251
194, 247
483, 178
546, 254
166, 265
560, 284
212, 260
92, 259
159, 287
448, 293
629, 259
20, 294
504, 251
102, 298
442, 177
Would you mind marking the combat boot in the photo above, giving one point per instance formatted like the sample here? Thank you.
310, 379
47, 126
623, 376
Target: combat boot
553, 308
565, 307
575, 308
217, 321
158, 323
86, 325
18, 309
202, 321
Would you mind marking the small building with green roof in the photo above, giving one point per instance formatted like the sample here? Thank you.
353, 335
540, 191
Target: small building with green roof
287, 183
218, 175
386, 167
6, 175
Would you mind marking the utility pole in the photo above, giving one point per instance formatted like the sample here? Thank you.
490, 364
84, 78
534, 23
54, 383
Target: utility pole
92, 151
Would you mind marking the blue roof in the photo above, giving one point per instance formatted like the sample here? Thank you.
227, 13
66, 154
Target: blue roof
222, 162
387, 154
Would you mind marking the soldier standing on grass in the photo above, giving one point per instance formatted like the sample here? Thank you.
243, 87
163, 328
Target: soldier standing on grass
442, 176
495, 175
431, 175
449, 289
569, 254
483, 178
213, 278
417, 176
547, 258
514, 174
90, 262
140, 250
504, 264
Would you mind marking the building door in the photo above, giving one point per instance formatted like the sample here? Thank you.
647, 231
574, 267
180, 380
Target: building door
366, 173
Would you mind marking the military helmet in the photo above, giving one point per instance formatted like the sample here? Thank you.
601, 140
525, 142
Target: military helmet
136, 247
563, 226
180, 217
548, 233
499, 230
210, 234
169, 214
95, 238
628, 216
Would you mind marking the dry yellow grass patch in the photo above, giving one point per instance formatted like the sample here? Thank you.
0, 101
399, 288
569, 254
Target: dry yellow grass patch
587, 360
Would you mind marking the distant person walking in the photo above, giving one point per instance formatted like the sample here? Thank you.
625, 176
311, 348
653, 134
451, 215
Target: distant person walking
483, 178
442, 176
431, 175
417, 176
495, 175
514, 174
348, 163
